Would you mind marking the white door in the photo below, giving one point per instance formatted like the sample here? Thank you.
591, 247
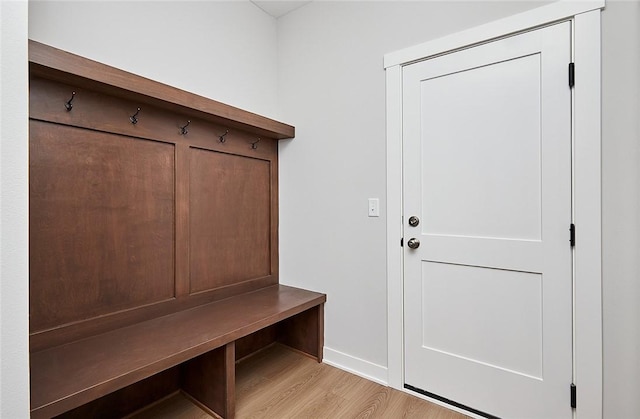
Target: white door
487, 171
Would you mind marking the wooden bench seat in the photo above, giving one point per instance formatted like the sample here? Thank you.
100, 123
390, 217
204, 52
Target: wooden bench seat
70, 375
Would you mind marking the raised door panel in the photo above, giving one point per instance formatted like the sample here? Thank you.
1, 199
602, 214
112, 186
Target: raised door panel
102, 210
230, 219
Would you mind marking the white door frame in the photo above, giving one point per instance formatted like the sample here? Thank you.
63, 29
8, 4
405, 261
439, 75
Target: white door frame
585, 18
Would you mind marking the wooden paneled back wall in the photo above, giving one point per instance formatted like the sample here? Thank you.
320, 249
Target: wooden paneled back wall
130, 221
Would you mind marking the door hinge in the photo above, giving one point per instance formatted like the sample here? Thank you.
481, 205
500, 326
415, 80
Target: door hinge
573, 395
572, 235
572, 74
402, 242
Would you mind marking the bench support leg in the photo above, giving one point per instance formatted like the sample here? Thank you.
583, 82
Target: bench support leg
210, 380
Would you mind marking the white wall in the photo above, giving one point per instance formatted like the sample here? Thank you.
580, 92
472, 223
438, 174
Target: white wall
223, 50
621, 207
332, 88
14, 212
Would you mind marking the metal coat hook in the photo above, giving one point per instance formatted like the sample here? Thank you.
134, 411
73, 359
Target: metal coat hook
184, 130
68, 104
134, 118
254, 144
222, 139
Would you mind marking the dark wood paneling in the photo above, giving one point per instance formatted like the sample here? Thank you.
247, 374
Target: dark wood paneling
101, 224
55, 64
210, 380
275, 238
230, 219
100, 113
182, 220
129, 399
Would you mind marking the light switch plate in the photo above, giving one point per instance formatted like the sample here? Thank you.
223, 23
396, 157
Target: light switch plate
374, 207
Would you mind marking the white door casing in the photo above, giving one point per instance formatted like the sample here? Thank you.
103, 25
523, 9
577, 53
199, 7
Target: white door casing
585, 17
487, 169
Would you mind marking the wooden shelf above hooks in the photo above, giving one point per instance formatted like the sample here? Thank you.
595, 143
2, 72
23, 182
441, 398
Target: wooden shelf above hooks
51, 63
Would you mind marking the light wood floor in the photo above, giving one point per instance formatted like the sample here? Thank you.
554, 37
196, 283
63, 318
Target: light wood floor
279, 383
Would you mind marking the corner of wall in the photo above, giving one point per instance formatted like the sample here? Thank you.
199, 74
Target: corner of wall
14, 212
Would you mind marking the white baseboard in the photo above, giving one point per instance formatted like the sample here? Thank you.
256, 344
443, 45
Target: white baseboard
357, 366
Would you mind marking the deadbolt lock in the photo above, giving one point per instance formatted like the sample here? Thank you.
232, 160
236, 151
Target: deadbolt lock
414, 221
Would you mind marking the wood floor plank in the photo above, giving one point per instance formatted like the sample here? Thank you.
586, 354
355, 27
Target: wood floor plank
316, 403
276, 402
278, 383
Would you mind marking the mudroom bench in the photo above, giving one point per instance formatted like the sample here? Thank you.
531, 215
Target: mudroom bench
202, 343
153, 243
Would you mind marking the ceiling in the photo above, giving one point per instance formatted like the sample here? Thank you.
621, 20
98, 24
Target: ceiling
279, 8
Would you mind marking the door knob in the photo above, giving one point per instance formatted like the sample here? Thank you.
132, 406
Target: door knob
413, 243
